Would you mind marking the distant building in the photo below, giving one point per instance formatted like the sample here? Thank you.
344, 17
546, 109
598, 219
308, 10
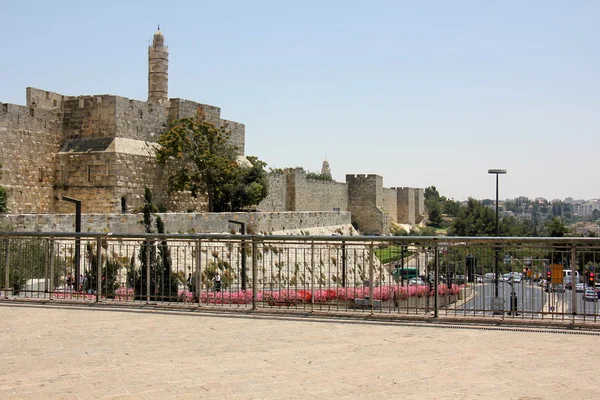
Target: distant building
585, 209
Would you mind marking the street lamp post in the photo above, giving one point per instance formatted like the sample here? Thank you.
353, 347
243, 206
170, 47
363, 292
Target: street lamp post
496, 172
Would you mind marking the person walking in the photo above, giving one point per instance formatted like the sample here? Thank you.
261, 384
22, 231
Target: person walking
217, 282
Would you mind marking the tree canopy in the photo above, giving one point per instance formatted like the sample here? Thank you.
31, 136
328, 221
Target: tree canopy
206, 162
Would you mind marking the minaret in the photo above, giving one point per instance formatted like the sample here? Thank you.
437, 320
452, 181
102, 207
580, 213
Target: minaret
158, 69
325, 171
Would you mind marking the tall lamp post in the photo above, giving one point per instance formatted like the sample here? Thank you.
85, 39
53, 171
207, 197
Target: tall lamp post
496, 172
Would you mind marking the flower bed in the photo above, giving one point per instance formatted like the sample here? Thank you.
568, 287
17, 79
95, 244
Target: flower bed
292, 297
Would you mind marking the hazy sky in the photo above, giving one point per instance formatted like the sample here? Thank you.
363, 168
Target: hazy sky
420, 92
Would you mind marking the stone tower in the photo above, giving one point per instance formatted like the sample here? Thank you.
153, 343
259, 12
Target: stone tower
325, 171
158, 70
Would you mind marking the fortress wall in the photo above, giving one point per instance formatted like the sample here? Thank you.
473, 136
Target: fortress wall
238, 134
364, 202
38, 98
406, 205
419, 205
90, 117
257, 223
180, 108
140, 120
276, 197
101, 179
30, 141
314, 195
390, 203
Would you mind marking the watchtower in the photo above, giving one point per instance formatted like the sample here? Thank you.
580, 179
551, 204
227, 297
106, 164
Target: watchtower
158, 70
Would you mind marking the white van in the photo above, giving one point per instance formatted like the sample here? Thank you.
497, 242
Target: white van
568, 279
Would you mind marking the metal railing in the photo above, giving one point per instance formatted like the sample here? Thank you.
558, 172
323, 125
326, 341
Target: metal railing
433, 276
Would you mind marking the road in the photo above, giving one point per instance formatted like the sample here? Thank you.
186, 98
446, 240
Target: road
530, 298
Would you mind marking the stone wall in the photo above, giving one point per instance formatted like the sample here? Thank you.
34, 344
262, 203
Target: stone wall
257, 223
365, 194
38, 98
140, 120
390, 203
316, 195
406, 205
180, 108
419, 205
101, 180
30, 141
276, 197
292, 191
89, 117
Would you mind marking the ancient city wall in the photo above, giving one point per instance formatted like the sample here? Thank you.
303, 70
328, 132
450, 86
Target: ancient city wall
140, 120
38, 98
108, 181
276, 197
257, 223
390, 203
406, 205
30, 141
311, 194
419, 205
89, 117
365, 203
180, 108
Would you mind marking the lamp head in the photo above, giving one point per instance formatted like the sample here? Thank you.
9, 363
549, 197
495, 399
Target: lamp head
496, 171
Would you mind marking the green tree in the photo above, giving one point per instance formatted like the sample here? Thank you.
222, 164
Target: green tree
474, 219
556, 228
451, 208
206, 162
159, 276
434, 210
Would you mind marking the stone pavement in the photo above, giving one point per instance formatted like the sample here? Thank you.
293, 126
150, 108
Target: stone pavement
89, 352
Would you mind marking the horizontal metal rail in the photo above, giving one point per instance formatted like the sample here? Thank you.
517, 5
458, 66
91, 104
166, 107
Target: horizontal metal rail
488, 277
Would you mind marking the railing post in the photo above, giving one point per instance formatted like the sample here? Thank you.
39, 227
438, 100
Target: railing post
51, 283
46, 280
312, 276
254, 274
6, 269
147, 271
198, 271
436, 272
371, 276
99, 269
573, 282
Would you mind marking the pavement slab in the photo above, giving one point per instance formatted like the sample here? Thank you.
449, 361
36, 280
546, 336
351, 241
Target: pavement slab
86, 352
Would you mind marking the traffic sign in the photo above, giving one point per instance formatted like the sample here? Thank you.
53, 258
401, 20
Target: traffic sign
557, 274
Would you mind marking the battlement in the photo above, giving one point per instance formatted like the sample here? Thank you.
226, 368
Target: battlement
38, 98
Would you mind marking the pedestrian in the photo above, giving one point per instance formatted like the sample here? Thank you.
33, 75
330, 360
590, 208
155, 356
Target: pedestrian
217, 282
69, 281
189, 281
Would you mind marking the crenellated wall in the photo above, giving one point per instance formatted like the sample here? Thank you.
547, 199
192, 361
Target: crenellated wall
30, 139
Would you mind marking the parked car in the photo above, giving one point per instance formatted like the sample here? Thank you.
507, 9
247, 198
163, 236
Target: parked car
558, 288
416, 281
590, 294
579, 287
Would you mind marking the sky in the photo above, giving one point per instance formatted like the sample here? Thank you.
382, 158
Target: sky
420, 92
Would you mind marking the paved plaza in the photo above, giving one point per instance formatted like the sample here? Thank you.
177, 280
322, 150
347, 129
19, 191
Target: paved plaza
89, 352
